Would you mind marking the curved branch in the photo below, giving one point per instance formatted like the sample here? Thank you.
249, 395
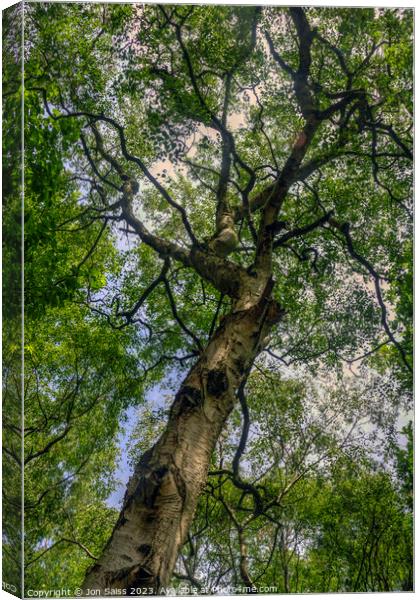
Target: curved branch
245, 429
131, 158
345, 230
178, 318
93, 118
61, 541
129, 314
301, 231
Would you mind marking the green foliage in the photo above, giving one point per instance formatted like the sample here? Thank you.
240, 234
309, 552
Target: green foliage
56, 241
404, 464
78, 382
337, 519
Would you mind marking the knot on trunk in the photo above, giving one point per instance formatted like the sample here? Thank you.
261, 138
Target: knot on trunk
143, 577
217, 382
188, 398
145, 549
149, 485
224, 242
139, 576
274, 313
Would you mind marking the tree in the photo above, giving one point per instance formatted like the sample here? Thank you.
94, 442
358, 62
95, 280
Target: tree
258, 161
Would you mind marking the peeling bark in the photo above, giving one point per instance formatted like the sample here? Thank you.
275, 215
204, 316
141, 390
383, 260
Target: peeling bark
162, 494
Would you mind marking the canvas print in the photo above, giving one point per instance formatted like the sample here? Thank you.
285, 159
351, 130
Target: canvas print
207, 299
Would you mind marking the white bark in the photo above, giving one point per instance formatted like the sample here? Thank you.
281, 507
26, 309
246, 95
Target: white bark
162, 494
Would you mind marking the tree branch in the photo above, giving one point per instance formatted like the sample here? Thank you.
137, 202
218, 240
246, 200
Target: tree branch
345, 230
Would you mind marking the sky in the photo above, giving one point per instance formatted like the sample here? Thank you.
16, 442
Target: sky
154, 399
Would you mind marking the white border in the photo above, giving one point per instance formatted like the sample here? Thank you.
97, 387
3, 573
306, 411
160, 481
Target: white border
367, 3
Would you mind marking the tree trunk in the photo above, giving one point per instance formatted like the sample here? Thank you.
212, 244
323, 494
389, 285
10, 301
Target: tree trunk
162, 494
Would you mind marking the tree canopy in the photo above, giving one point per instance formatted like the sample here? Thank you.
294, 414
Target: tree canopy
218, 240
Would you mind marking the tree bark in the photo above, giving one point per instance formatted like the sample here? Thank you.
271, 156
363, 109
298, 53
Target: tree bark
162, 494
